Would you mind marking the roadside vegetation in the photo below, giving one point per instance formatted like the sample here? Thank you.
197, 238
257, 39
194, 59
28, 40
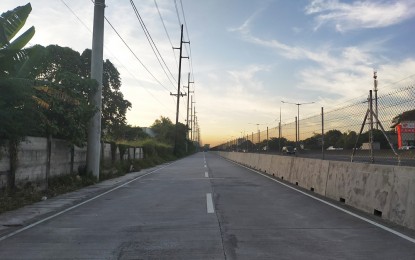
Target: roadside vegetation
44, 92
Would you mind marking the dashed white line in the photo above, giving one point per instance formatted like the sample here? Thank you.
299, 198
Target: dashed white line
206, 174
209, 203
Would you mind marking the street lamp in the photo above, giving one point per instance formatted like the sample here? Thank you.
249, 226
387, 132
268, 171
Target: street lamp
298, 115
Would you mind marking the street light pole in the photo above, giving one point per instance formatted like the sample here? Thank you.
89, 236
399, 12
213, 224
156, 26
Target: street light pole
298, 116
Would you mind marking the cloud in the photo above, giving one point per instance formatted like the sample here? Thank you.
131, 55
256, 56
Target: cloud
336, 72
360, 14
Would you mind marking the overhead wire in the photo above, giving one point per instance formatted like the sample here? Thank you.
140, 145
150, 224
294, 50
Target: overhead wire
167, 33
152, 43
80, 20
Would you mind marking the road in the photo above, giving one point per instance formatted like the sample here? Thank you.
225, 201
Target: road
204, 207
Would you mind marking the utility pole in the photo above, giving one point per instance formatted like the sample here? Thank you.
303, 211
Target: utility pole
94, 127
194, 123
178, 89
188, 95
375, 88
191, 118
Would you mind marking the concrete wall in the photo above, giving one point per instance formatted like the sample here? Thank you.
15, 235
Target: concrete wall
65, 159
389, 190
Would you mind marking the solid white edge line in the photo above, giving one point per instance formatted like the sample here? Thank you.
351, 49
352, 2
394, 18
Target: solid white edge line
410, 239
209, 203
77, 205
206, 174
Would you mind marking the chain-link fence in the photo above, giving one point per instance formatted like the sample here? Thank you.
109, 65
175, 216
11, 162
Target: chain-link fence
378, 129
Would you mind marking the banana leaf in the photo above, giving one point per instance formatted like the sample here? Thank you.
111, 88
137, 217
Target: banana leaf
11, 22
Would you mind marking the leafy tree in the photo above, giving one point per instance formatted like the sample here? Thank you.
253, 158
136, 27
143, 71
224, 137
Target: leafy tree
332, 138
114, 106
313, 142
12, 54
164, 129
166, 132
15, 93
63, 93
129, 133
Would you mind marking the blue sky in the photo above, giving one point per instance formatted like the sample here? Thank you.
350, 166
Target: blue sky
247, 56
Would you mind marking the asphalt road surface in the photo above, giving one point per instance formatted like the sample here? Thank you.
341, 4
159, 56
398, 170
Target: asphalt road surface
204, 207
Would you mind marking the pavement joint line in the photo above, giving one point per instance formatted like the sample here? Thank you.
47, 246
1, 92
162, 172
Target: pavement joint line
209, 203
80, 204
399, 234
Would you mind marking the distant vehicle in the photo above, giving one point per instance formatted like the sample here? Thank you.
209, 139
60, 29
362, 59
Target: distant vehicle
332, 148
366, 146
288, 150
407, 147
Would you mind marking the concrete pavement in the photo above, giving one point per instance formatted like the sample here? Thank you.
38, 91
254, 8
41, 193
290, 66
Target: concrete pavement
164, 213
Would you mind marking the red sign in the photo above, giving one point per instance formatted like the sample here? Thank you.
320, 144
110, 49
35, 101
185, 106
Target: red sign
407, 130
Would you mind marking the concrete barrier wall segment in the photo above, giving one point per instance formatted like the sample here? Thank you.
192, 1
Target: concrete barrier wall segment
382, 190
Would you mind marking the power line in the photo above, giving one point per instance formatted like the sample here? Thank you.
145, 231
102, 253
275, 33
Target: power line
189, 52
132, 52
165, 29
152, 43
79, 19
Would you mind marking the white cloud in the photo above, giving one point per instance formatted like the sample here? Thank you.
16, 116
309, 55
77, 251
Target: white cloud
345, 72
360, 14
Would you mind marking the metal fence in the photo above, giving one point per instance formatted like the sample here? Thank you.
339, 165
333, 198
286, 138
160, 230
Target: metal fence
371, 129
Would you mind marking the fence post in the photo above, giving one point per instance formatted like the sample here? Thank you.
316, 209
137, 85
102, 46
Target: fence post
322, 132
296, 136
267, 140
279, 136
371, 126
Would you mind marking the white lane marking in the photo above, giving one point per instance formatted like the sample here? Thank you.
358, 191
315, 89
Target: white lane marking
77, 205
410, 239
209, 203
205, 166
206, 174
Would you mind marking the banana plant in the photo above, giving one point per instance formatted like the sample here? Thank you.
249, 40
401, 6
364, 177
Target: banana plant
12, 54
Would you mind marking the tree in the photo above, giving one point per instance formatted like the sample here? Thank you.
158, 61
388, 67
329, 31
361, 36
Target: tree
165, 132
63, 93
11, 52
114, 106
15, 92
164, 129
332, 138
313, 142
129, 133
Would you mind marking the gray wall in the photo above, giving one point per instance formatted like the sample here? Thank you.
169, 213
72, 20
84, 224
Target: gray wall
32, 159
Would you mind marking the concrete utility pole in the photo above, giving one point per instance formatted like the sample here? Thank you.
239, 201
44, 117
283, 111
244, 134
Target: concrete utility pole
188, 96
178, 88
94, 128
191, 118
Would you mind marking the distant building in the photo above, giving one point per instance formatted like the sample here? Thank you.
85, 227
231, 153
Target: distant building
149, 131
404, 125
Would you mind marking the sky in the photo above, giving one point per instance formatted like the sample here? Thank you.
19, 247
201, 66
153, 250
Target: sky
245, 56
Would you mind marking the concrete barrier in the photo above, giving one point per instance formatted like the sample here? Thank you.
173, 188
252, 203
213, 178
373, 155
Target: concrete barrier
382, 190
281, 166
